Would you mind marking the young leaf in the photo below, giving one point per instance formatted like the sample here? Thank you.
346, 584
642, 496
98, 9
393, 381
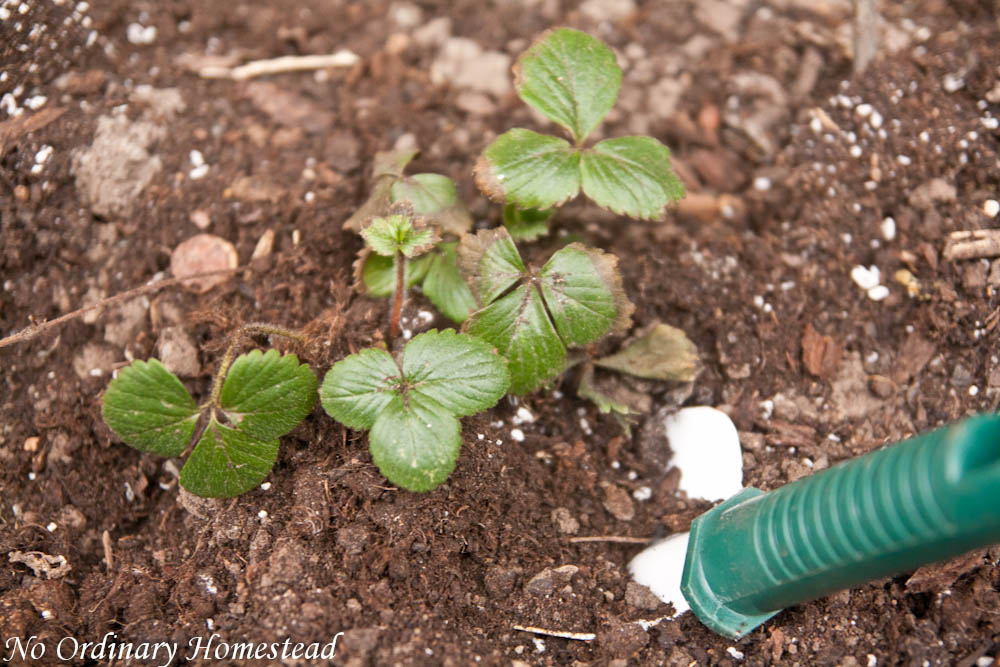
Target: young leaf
434, 197
357, 388
444, 284
519, 327
227, 462
584, 294
575, 299
490, 263
631, 176
415, 446
570, 77
412, 409
398, 233
530, 169
388, 169
377, 275
526, 224
266, 395
662, 352
149, 409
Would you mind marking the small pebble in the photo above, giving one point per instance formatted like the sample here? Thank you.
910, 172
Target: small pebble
991, 207
888, 228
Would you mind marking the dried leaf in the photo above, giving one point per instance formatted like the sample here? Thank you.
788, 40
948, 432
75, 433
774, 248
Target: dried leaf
662, 352
820, 354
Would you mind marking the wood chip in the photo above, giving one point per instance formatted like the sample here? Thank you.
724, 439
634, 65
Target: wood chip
564, 634
13, 129
973, 244
820, 354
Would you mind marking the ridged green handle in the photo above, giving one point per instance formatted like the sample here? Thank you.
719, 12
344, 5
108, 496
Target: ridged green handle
918, 501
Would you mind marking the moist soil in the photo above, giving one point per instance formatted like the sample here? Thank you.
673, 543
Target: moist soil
793, 165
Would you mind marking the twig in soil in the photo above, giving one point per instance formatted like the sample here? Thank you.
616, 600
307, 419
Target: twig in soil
866, 33
109, 556
973, 244
564, 634
254, 68
35, 330
617, 539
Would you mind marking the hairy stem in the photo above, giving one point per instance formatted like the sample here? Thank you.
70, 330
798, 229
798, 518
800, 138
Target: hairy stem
397, 296
227, 359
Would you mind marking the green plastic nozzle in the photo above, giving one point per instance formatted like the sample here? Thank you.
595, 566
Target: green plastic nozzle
912, 503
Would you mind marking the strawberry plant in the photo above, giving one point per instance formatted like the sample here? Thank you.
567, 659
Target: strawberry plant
255, 399
412, 403
398, 237
573, 80
434, 198
532, 315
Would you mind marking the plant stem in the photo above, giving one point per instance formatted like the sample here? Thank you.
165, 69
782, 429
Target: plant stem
227, 359
397, 296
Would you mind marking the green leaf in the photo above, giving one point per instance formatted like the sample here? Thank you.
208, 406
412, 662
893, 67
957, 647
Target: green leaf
570, 77
519, 327
444, 284
227, 462
532, 170
490, 263
662, 352
266, 395
356, 389
631, 176
415, 432
526, 224
398, 233
416, 445
387, 169
435, 197
584, 294
149, 409
462, 374
378, 275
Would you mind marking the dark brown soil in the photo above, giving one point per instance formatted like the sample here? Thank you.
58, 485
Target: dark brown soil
755, 268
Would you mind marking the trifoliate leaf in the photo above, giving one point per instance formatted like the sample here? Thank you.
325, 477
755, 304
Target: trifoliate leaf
531, 170
227, 462
526, 224
415, 432
435, 197
631, 176
570, 77
375, 275
415, 445
490, 263
462, 374
581, 300
387, 169
149, 409
584, 294
357, 388
444, 284
266, 395
521, 330
398, 233
662, 352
